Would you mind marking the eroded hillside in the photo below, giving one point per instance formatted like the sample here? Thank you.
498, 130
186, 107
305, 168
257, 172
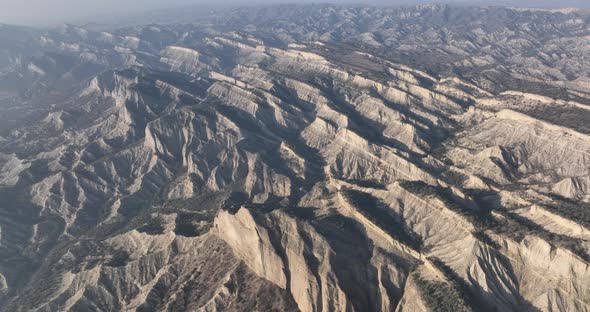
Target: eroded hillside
288, 163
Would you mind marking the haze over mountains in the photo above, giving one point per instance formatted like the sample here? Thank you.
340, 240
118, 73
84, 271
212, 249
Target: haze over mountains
298, 158
42, 13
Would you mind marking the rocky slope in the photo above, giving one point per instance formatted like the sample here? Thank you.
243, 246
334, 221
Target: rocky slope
282, 162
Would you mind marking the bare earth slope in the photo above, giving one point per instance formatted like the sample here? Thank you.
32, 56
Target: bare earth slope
320, 158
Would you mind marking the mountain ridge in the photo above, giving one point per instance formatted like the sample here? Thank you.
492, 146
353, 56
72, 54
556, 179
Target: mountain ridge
287, 163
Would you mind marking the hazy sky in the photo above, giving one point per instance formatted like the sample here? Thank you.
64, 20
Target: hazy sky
55, 11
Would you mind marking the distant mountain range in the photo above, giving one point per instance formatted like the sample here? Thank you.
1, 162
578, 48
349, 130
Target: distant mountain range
41, 13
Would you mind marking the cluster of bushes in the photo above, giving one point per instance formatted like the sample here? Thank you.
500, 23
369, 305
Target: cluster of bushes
454, 178
368, 183
192, 225
153, 227
458, 283
419, 188
440, 296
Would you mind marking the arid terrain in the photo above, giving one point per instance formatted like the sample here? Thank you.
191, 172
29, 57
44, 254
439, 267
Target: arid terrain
298, 158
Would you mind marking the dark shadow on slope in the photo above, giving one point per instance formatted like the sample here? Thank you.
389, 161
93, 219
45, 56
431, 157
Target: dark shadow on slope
351, 260
384, 217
